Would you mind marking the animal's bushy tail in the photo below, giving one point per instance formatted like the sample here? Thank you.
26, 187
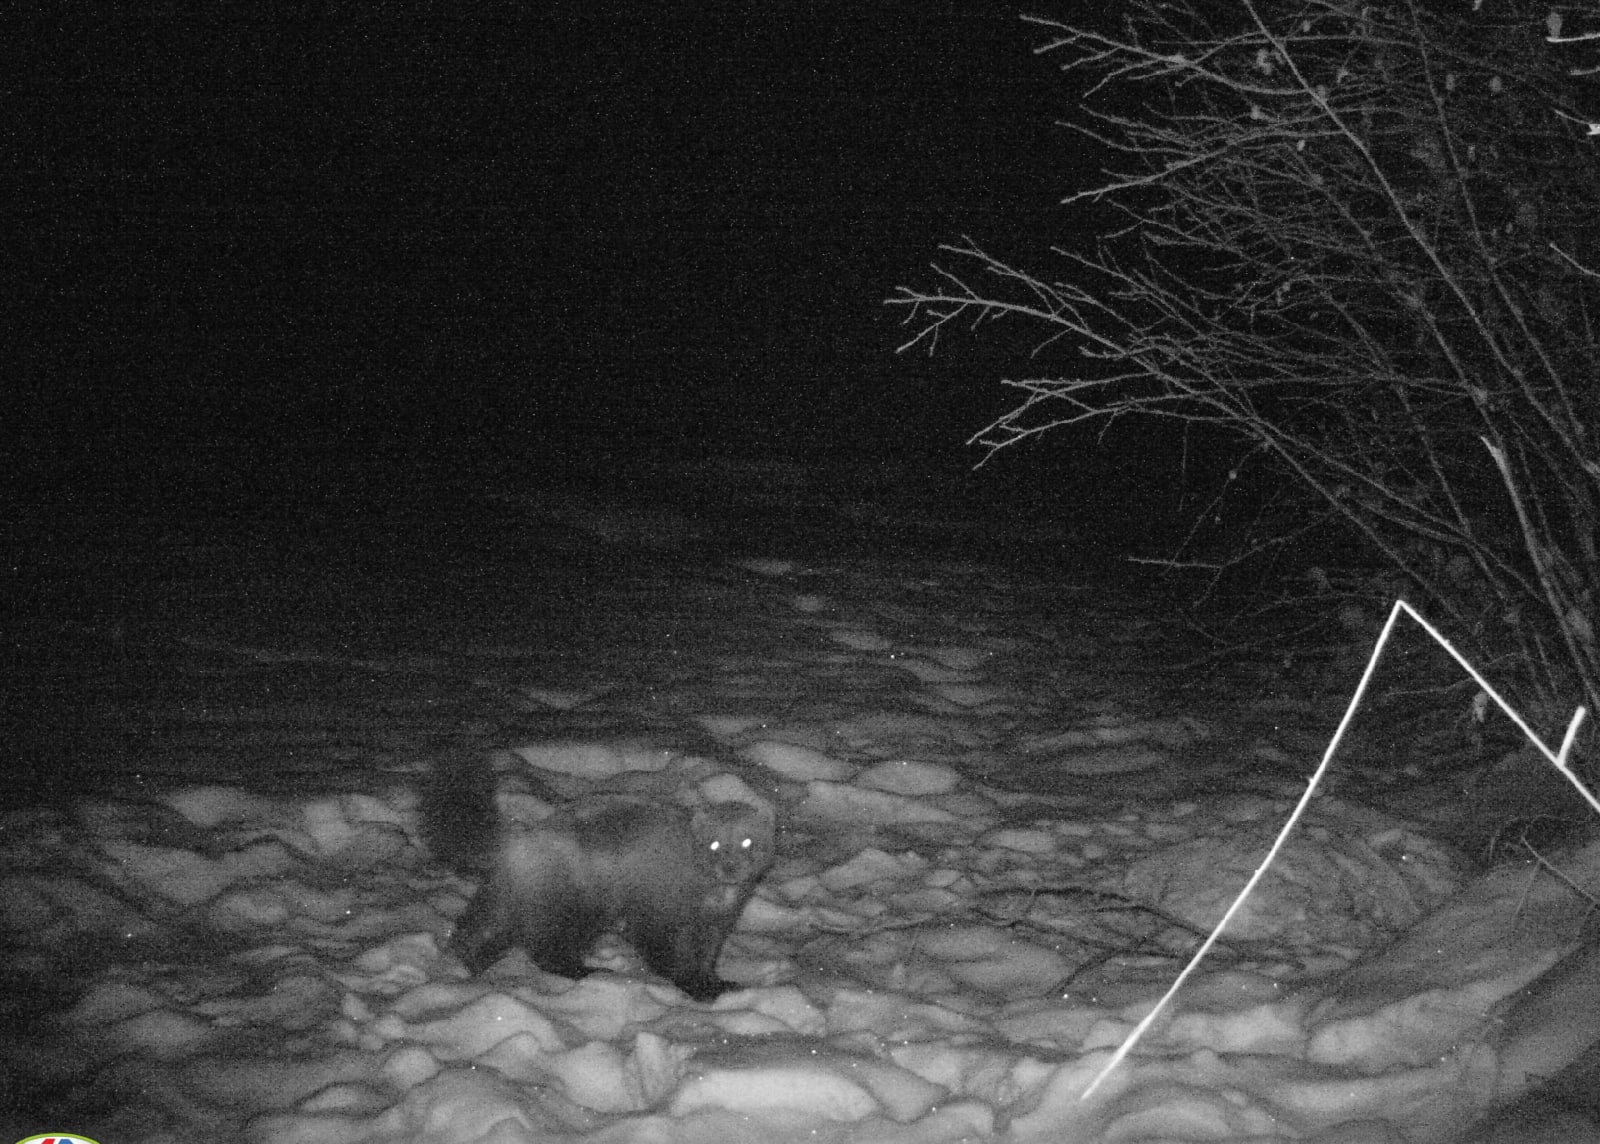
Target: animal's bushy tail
460, 821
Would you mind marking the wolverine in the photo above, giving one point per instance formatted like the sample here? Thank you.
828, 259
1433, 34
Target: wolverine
672, 882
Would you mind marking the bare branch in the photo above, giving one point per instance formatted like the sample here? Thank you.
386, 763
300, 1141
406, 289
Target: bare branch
1358, 239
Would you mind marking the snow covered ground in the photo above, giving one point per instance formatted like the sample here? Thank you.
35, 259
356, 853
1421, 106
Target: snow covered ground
1005, 821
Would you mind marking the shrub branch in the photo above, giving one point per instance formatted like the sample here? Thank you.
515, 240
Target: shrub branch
1363, 241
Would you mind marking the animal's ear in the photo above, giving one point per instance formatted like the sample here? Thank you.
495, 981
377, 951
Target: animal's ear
715, 817
769, 817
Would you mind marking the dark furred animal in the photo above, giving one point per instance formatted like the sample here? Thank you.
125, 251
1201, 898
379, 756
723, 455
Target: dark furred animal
671, 882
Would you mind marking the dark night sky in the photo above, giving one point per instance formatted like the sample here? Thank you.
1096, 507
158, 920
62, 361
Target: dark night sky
301, 235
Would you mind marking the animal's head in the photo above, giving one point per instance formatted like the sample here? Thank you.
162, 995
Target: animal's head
736, 840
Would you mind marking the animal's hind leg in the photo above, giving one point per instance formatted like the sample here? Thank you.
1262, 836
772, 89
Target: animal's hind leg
482, 935
561, 937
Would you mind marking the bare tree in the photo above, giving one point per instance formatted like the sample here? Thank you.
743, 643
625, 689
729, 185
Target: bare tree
1365, 240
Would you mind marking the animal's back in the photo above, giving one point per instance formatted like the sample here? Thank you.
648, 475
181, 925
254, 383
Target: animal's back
638, 852
459, 819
